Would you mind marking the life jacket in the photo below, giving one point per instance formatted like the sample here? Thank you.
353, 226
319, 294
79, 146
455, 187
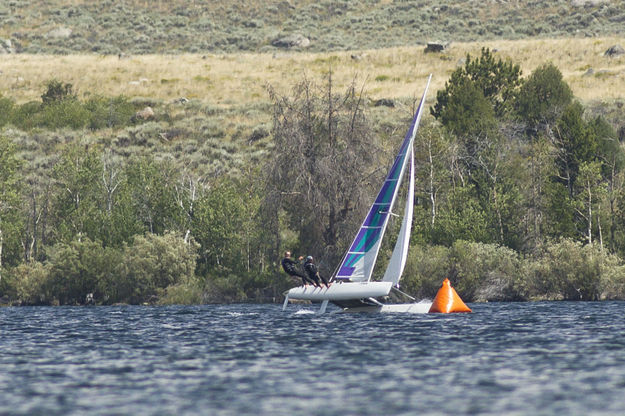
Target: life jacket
288, 265
310, 268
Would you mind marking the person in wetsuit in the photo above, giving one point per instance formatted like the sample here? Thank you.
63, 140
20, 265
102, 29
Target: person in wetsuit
313, 273
290, 267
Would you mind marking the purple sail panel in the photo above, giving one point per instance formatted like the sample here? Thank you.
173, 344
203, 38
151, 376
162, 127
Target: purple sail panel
377, 215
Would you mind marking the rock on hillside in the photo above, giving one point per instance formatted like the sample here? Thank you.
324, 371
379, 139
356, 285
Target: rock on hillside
292, 41
614, 51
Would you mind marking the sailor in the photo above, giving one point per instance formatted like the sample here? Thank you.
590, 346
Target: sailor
290, 267
313, 273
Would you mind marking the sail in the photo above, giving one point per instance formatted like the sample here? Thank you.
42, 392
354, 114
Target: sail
396, 265
358, 262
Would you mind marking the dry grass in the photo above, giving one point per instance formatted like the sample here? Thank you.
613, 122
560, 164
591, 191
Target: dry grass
239, 79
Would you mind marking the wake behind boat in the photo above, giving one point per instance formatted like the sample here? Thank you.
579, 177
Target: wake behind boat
352, 288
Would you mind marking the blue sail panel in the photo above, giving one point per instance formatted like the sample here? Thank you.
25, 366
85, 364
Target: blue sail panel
376, 217
358, 263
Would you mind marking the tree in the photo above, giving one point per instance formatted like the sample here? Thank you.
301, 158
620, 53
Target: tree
589, 196
9, 198
152, 264
612, 158
575, 143
217, 226
323, 166
78, 204
496, 79
151, 186
543, 96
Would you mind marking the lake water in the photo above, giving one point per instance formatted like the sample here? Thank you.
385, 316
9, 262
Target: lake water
551, 358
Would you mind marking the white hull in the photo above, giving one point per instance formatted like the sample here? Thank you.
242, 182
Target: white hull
341, 291
392, 308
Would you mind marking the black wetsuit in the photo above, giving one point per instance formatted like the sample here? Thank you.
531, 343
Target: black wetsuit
290, 267
313, 274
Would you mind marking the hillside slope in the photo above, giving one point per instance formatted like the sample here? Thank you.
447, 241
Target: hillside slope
198, 26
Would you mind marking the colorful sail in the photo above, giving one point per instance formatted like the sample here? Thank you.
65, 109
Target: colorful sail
359, 261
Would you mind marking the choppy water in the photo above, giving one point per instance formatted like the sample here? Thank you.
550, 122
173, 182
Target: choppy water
526, 358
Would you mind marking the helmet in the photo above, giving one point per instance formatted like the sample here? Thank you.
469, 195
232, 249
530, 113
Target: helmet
309, 258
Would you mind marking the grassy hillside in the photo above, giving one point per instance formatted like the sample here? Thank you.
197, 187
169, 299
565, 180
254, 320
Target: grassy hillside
201, 26
225, 125
241, 79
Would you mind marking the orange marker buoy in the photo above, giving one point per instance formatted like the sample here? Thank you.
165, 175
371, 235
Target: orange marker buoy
447, 300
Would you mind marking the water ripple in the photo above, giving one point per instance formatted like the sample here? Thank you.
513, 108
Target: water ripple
523, 359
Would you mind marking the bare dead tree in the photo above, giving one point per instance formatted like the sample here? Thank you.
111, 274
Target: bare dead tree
325, 154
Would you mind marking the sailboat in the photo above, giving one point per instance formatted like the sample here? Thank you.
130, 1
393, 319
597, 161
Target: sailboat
352, 288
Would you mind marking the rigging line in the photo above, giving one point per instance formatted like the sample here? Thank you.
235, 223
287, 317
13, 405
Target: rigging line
403, 293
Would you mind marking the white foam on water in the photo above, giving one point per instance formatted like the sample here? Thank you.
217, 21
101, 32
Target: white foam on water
305, 312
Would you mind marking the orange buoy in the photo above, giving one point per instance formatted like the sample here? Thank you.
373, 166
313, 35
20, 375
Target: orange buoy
447, 300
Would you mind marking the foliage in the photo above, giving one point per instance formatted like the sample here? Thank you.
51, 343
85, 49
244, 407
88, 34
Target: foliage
543, 96
195, 206
173, 27
30, 283
78, 268
106, 112
60, 108
569, 270
325, 152
482, 272
10, 202
152, 264
6, 108
496, 79
57, 91
217, 224
79, 196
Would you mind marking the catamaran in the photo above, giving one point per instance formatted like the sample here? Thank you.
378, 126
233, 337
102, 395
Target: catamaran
352, 286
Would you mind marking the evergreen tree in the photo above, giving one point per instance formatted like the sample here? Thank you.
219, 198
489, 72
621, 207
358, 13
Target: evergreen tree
543, 96
495, 78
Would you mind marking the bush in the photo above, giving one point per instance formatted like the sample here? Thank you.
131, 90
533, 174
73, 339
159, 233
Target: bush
109, 112
569, 270
29, 282
426, 268
186, 293
482, 272
24, 116
152, 264
65, 113
57, 91
81, 267
6, 108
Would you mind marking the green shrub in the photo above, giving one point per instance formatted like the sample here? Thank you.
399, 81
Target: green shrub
481, 272
569, 270
109, 112
29, 282
612, 282
426, 268
6, 109
57, 91
24, 116
153, 263
80, 267
65, 113
186, 293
